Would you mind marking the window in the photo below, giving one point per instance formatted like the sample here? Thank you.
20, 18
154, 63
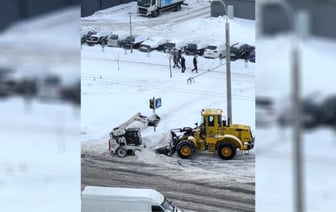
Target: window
211, 121
156, 208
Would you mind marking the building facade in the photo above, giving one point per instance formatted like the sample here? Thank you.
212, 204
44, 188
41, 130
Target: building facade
241, 8
321, 14
91, 6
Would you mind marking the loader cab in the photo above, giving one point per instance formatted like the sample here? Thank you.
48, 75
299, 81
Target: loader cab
133, 137
211, 121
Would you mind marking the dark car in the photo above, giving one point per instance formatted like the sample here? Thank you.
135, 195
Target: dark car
71, 93
252, 57
311, 115
265, 113
85, 35
234, 52
245, 51
328, 111
195, 48
135, 41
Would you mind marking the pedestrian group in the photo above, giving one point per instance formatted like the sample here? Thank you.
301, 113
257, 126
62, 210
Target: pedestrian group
178, 60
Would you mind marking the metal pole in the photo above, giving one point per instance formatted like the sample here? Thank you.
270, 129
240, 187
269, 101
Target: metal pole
171, 75
228, 66
130, 16
228, 72
298, 145
297, 110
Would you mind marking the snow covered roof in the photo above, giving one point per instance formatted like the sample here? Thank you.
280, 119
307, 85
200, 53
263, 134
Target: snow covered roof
123, 194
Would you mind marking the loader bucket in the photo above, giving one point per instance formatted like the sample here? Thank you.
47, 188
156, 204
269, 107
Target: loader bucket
166, 150
153, 120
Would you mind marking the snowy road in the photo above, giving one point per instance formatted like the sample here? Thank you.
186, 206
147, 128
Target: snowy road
187, 191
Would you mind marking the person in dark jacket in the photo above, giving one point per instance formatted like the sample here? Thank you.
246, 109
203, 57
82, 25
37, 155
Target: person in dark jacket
179, 55
183, 64
195, 64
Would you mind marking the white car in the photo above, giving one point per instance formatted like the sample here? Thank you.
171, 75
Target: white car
215, 51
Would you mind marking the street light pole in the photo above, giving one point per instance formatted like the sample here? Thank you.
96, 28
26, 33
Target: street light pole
130, 16
228, 70
297, 110
228, 66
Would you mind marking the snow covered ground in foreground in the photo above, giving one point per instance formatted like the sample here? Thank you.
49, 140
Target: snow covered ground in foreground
111, 96
274, 161
39, 161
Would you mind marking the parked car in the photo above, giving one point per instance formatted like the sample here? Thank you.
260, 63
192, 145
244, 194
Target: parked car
174, 43
252, 56
5, 79
71, 92
115, 40
49, 87
217, 50
153, 43
98, 38
312, 112
135, 41
234, 51
195, 47
328, 111
86, 32
265, 112
244, 51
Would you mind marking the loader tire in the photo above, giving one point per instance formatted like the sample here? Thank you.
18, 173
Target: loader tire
226, 151
121, 152
185, 149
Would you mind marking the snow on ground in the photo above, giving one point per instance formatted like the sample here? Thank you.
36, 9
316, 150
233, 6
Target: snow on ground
274, 150
39, 164
40, 154
111, 94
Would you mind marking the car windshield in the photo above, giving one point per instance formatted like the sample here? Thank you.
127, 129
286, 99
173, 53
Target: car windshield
144, 3
212, 47
170, 45
114, 37
168, 206
192, 46
145, 46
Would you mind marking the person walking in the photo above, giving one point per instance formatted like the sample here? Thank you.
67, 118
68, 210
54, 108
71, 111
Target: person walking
195, 64
175, 58
179, 56
183, 64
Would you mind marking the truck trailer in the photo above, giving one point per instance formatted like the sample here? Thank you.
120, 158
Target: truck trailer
155, 7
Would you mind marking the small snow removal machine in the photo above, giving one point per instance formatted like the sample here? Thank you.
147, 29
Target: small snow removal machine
212, 135
126, 138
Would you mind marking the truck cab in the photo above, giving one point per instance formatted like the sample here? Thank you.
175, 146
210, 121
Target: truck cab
155, 7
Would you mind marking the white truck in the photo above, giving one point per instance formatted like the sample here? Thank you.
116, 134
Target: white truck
155, 7
114, 199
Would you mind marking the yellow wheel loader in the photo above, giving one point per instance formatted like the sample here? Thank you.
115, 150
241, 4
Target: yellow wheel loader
212, 135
